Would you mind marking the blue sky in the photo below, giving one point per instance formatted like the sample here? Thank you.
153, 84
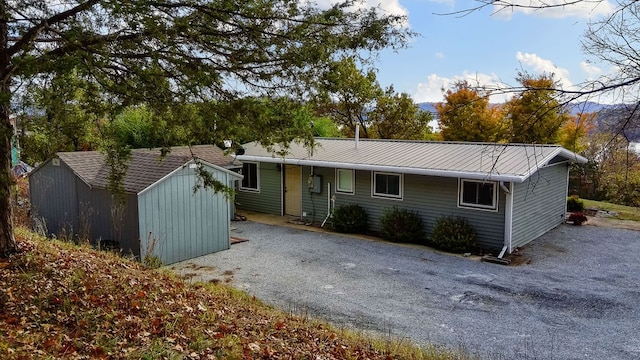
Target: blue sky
487, 46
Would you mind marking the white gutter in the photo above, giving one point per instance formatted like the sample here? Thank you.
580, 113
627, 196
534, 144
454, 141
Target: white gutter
387, 168
508, 220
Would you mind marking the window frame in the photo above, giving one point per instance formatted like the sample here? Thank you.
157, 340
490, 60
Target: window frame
353, 181
475, 206
375, 194
250, 189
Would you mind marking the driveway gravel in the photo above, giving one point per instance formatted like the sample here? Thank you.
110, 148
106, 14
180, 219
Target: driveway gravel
577, 296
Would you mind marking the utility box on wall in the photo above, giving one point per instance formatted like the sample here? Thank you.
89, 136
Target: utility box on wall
315, 184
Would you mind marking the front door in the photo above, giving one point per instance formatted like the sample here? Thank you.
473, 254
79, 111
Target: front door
292, 190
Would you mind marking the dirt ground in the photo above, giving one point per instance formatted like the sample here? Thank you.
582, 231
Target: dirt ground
614, 223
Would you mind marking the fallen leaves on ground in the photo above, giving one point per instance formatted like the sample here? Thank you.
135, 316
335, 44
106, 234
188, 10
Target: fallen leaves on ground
63, 301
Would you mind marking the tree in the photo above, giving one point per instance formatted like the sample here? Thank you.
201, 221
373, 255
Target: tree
396, 116
164, 53
56, 117
573, 135
466, 115
347, 95
535, 115
353, 98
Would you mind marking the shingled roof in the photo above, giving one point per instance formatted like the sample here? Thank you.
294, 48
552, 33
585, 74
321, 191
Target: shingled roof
145, 167
485, 161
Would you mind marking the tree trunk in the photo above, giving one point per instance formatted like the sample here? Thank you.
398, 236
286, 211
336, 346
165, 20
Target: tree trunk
7, 240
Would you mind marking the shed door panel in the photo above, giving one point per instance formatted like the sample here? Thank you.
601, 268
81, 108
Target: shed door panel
292, 190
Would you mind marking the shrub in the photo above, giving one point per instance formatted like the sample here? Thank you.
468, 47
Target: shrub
577, 218
453, 234
402, 226
350, 218
575, 204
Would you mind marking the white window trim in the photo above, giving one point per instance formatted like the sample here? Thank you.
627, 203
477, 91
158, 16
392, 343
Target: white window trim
248, 189
353, 182
464, 205
374, 194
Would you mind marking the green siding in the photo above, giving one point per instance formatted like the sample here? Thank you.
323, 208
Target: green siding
269, 198
539, 204
431, 197
177, 224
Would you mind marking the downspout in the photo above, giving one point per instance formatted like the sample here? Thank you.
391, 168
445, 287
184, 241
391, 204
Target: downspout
508, 218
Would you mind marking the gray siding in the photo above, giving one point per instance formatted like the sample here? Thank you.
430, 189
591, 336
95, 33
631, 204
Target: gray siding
539, 204
431, 197
177, 224
69, 207
104, 219
269, 198
53, 193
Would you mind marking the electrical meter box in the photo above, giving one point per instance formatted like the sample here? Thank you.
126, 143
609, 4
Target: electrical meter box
315, 183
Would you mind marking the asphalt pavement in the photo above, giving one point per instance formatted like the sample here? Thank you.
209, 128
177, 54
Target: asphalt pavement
576, 295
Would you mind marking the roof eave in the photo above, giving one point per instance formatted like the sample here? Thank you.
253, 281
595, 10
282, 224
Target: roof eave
397, 169
217, 167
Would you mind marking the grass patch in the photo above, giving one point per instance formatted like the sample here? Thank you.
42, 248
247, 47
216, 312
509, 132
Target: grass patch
60, 300
624, 212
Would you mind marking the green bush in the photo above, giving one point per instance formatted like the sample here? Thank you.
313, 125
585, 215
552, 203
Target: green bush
402, 226
453, 234
350, 218
574, 204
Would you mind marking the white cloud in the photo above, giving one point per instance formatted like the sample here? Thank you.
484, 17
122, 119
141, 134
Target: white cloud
591, 70
440, 55
432, 89
392, 7
541, 65
559, 9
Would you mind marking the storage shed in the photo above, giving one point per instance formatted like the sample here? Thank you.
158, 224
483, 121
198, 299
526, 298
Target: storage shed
161, 214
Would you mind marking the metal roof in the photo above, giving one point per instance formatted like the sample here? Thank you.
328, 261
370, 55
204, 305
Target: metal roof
146, 166
485, 161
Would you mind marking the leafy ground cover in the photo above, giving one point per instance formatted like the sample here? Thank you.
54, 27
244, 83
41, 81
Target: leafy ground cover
59, 300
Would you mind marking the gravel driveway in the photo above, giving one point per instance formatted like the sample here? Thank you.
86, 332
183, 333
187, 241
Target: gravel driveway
578, 297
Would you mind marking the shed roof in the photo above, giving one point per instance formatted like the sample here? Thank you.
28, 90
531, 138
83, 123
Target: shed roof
485, 161
146, 166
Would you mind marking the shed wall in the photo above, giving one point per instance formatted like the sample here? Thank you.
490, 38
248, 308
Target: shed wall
177, 224
431, 197
53, 193
269, 199
105, 219
539, 204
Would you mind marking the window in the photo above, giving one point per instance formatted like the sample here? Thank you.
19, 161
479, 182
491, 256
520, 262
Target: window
250, 181
387, 185
344, 181
478, 195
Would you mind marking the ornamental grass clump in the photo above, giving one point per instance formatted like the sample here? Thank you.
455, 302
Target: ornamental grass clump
453, 234
403, 226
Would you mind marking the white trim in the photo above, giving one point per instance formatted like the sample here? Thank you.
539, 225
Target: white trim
374, 194
257, 188
462, 204
390, 169
215, 167
353, 182
508, 220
